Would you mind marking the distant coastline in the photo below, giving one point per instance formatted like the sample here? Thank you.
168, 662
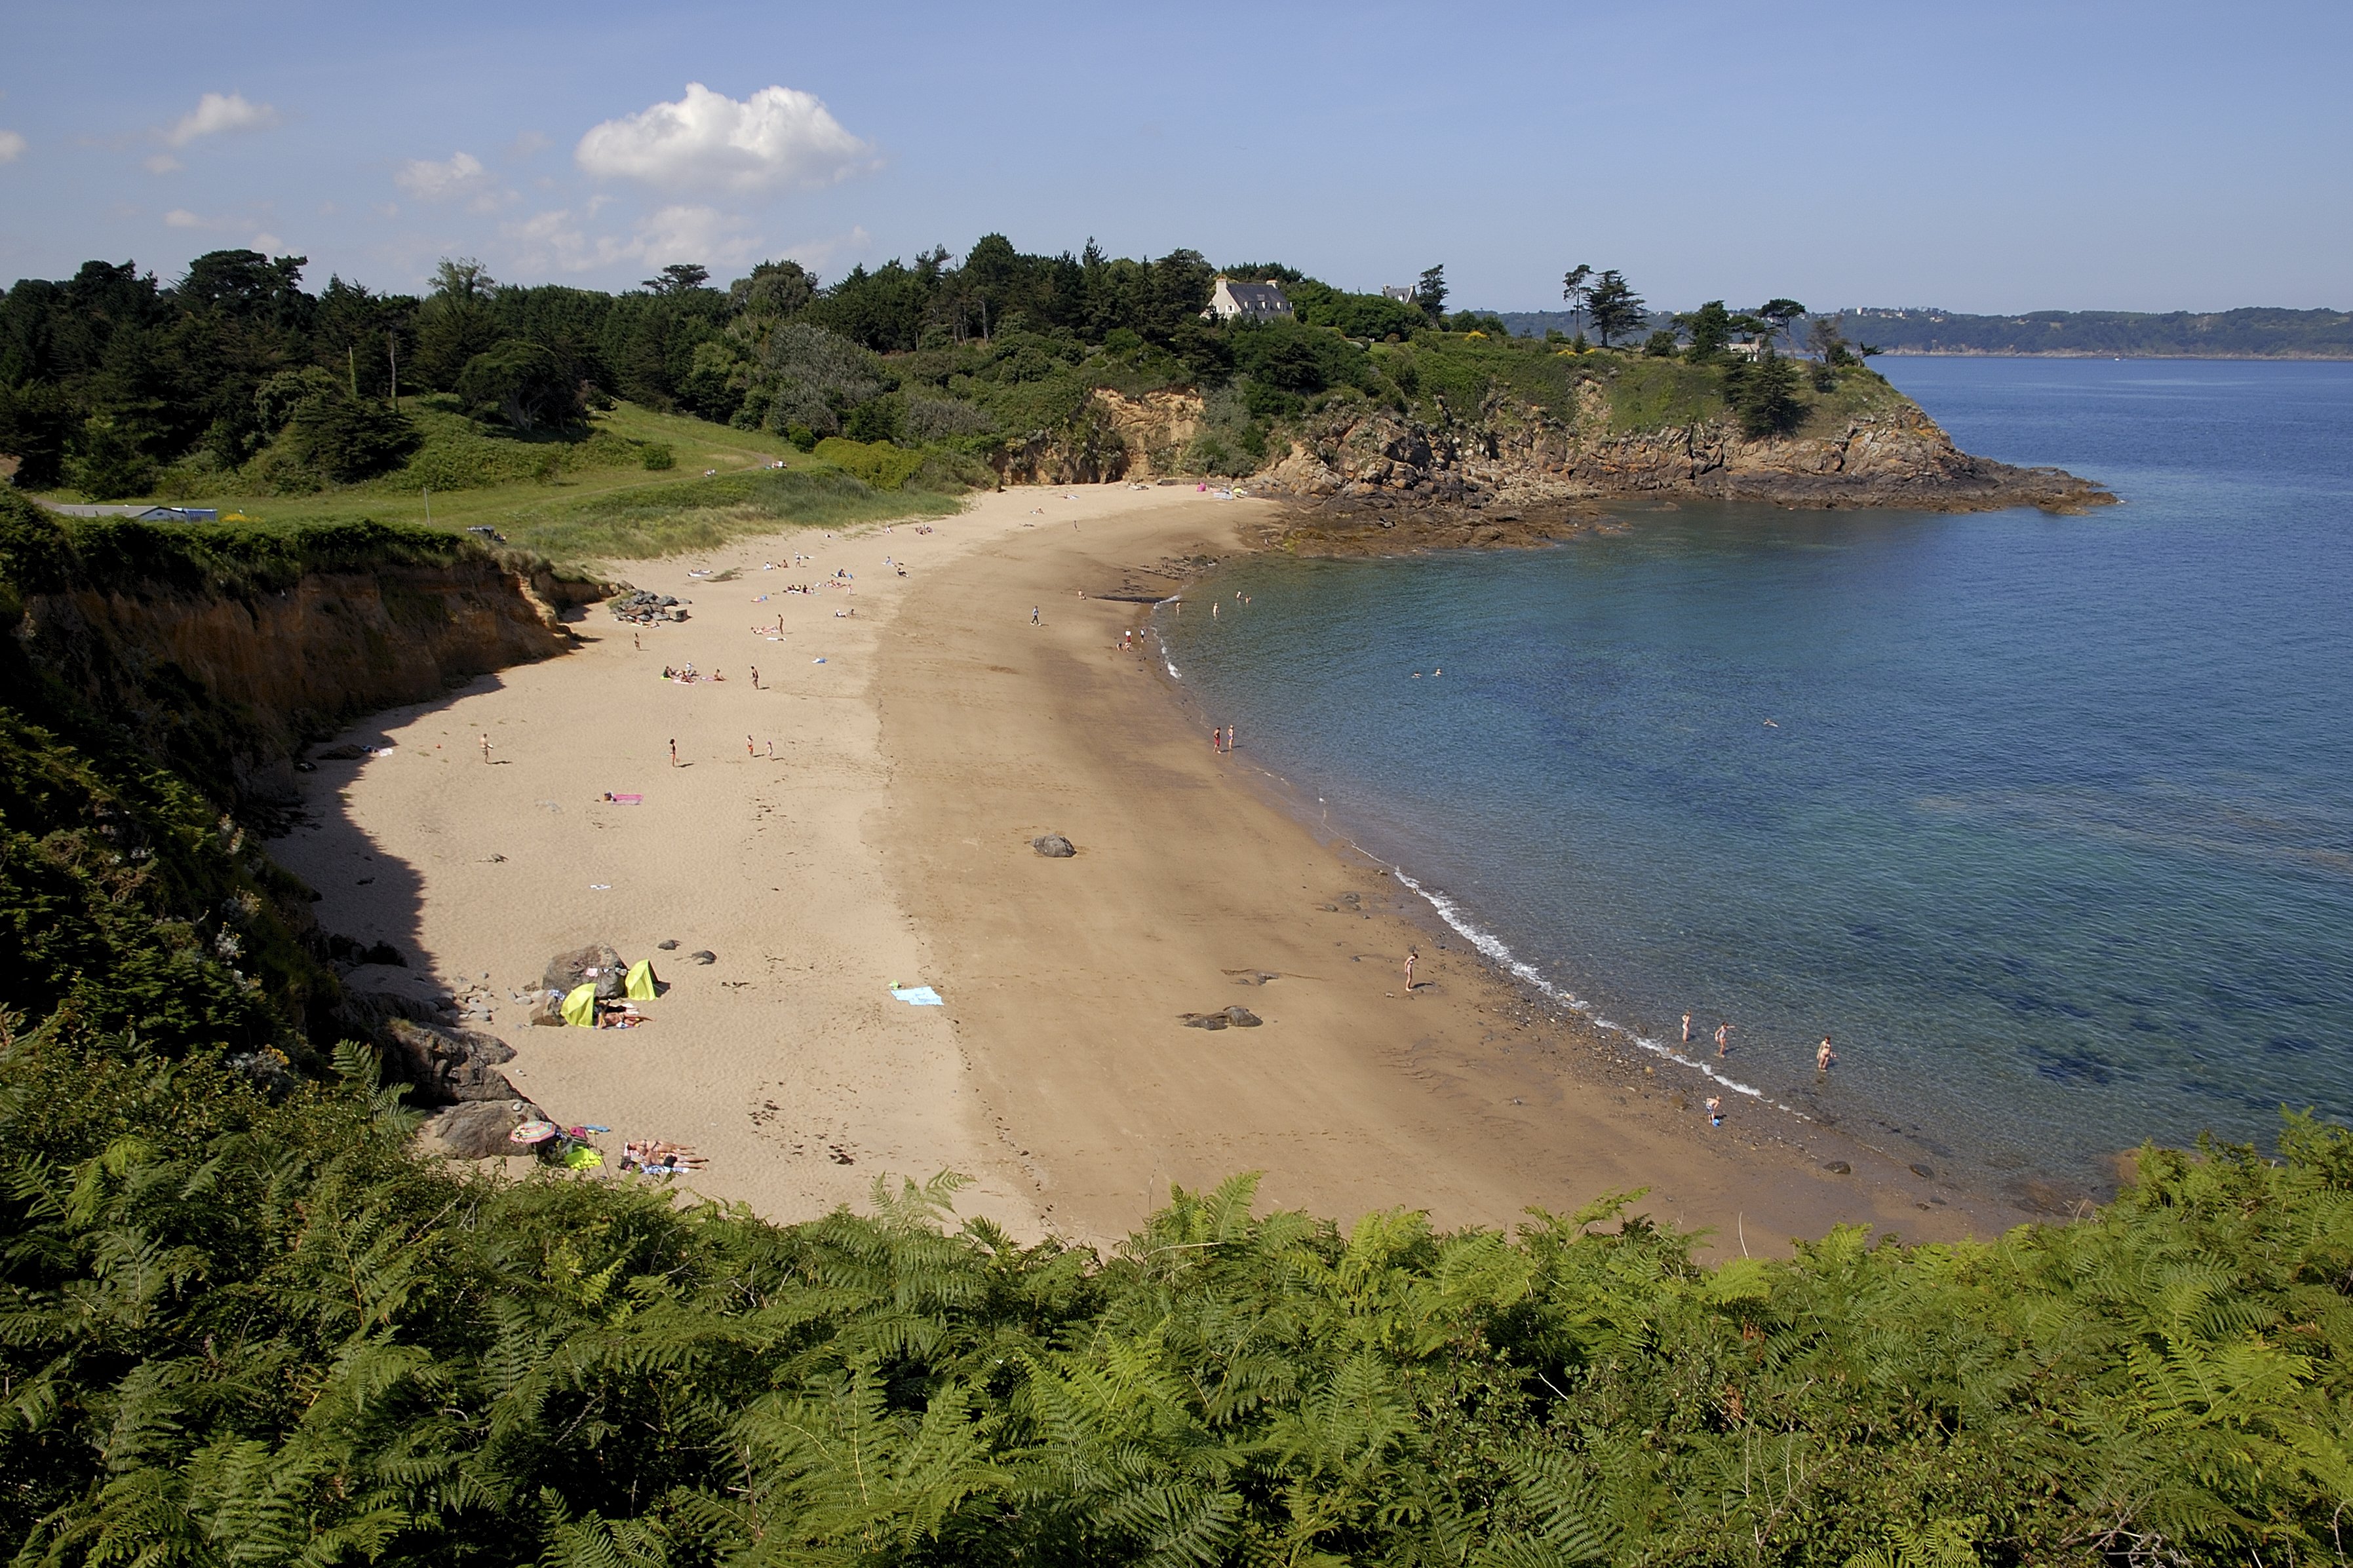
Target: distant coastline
2253, 332
2104, 353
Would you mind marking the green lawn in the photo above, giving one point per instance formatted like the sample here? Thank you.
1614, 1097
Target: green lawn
597, 500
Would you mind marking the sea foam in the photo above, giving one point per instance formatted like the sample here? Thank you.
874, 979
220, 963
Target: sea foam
1500, 954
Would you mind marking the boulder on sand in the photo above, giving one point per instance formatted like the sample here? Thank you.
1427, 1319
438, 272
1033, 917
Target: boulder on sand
598, 962
446, 1066
1053, 845
478, 1129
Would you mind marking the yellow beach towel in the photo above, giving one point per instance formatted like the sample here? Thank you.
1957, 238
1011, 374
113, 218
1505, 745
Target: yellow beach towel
580, 1007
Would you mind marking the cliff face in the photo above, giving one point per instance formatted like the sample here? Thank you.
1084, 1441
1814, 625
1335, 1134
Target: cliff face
1515, 453
1115, 437
232, 683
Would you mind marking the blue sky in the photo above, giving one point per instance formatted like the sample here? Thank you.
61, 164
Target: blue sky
1987, 157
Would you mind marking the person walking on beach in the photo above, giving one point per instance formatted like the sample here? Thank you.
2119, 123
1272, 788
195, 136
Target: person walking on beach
1824, 1058
1410, 954
755, 678
1722, 1030
1033, 617
750, 750
1687, 1029
673, 752
486, 745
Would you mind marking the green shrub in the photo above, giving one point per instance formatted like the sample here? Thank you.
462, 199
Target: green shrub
880, 465
658, 457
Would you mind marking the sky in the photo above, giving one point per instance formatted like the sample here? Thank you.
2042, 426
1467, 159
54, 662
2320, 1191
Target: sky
1987, 157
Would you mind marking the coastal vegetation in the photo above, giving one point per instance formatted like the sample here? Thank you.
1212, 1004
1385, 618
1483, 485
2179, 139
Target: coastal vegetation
537, 410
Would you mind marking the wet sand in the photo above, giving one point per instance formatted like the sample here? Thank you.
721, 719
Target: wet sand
890, 840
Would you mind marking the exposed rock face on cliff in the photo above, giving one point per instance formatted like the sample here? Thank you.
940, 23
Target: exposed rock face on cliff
1115, 437
1515, 454
231, 681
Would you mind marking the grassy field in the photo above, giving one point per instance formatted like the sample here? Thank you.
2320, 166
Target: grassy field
593, 499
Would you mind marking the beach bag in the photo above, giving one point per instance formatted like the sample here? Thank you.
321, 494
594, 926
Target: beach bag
641, 981
580, 1007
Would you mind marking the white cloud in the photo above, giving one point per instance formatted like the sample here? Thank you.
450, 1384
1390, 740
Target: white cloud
817, 255
216, 113
181, 217
778, 137
458, 175
12, 146
559, 238
163, 163
693, 234
268, 241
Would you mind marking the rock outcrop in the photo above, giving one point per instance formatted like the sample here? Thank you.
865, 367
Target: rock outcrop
1515, 455
1115, 438
445, 1066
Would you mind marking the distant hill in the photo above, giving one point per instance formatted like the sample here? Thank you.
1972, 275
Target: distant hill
2255, 333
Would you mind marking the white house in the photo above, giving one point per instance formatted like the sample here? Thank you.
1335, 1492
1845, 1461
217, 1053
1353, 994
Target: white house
1402, 294
1251, 301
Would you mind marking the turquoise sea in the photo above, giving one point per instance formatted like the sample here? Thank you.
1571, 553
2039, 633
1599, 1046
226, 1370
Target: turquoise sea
2048, 821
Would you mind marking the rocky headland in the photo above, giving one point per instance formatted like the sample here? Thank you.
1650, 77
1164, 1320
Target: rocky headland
1367, 477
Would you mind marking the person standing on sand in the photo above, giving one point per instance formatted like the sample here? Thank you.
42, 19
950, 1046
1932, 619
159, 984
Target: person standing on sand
673, 753
755, 678
1687, 1029
486, 745
750, 750
1824, 1058
1033, 617
1410, 954
1721, 1031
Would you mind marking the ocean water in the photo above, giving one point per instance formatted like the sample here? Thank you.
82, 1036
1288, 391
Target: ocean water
2048, 821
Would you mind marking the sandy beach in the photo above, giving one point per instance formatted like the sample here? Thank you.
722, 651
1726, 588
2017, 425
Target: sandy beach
918, 747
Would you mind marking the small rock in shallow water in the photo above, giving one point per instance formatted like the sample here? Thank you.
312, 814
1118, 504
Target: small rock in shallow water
1838, 1167
1923, 1172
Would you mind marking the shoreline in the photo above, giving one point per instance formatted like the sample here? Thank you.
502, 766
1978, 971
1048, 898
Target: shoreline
890, 840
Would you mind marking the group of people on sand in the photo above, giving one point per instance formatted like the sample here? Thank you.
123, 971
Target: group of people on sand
1221, 740
1825, 1059
687, 672
658, 1158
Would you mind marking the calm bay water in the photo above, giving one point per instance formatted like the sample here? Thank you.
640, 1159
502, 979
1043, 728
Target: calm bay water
2048, 821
